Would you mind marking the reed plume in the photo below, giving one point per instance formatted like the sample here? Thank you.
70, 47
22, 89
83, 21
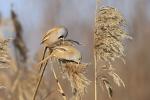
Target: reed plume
4, 55
4, 62
109, 35
75, 74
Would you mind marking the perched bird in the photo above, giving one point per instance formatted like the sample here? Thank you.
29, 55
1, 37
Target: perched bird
54, 35
61, 52
66, 54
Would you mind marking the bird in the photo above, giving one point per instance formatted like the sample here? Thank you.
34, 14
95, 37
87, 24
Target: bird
49, 40
63, 53
54, 35
51, 37
66, 54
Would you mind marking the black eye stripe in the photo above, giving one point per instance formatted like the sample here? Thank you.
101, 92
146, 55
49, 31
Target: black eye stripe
61, 37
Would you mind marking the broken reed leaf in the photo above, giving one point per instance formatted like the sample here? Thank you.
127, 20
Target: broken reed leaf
18, 41
75, 74
108, 87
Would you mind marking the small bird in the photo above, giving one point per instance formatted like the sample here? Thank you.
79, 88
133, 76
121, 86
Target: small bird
67, 54
49, 40
54, 35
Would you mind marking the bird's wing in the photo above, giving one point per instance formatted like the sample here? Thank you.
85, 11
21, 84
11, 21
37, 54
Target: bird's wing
60, 48
46, 35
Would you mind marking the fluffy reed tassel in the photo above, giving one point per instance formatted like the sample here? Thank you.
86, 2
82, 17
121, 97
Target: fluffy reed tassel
74, 72
109, 36
4, 56
4, 61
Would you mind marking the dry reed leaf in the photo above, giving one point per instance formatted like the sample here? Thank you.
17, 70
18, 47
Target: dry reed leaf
108, 87
18, 41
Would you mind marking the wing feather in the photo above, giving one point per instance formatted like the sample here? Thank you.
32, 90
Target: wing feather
46, 35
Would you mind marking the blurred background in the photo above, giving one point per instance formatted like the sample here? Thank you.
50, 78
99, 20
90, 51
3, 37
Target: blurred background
38, 16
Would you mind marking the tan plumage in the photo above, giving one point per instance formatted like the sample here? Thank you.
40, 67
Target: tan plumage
54, 35
68, 53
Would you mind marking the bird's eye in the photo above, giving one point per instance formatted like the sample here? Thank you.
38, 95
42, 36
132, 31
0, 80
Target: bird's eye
61, 37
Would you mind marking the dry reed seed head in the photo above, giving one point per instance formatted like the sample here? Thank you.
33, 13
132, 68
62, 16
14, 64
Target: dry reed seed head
75, 74
4, 56
109, 17
109, 34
